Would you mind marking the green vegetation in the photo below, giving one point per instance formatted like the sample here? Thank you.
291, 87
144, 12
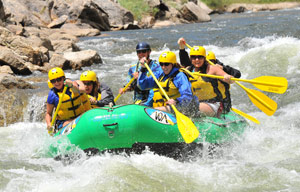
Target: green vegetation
140, 8
137, 7
221, 3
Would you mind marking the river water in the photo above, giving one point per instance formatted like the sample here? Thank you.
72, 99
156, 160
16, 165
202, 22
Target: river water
265, 158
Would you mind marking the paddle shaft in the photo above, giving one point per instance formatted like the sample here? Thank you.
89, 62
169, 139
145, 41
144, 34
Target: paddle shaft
245, 115
129, 83
245, 80
59, 104
188, 46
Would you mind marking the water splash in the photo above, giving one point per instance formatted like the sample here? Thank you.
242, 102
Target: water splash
35, 110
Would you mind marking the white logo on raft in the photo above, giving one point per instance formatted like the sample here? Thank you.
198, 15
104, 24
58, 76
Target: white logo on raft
69, 127
160, 117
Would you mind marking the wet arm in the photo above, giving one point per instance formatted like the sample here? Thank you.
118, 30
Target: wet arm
49, 112
214, 70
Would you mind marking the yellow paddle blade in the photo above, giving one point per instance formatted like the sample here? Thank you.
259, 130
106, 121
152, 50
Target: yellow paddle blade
271, 84
186, 127
241, 113
261, 101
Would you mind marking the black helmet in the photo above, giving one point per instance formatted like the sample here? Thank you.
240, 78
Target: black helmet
143, 46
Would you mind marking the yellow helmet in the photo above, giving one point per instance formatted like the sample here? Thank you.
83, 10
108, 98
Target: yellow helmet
55, 73
88, 76
211, 56
167, 57
198, 50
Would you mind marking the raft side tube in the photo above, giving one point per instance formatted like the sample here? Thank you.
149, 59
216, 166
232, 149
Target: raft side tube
126, 126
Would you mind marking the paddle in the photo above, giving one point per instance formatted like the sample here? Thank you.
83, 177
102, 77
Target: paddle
188, 46
50, 131
127, 85
235, 110
264, 83
241, 113
186, 127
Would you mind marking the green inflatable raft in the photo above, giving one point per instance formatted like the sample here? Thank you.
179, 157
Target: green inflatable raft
132, 128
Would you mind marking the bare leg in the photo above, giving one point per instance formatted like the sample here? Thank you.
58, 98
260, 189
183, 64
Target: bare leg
206, 110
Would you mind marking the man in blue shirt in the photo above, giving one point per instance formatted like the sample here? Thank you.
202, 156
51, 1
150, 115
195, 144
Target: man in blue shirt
144, 97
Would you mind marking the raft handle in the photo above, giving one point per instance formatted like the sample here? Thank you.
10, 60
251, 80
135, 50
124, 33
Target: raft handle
110, 126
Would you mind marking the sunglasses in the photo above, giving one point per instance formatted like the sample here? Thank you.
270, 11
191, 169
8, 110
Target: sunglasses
141, 51
164, 64
197, 57
89, 83
56, 80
